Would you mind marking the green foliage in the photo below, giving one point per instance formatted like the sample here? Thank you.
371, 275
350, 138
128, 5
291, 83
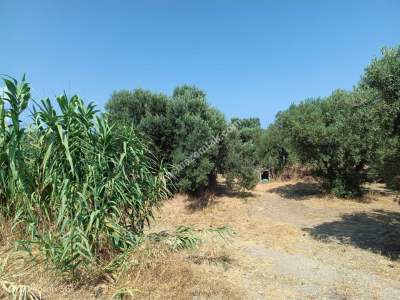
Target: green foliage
77, 185
13, 172
386, 163
346, 135
383, 76
147, 112
195, 125
241, 157
185, 129
335, 137
273, 149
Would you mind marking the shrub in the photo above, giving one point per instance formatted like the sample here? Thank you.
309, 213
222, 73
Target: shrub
80, 187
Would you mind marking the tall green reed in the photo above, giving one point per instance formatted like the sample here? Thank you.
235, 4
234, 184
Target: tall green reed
80, 187
13, 173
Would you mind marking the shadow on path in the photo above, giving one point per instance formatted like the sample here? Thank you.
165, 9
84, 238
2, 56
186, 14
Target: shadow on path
377, 231
222, 190
210, 197
298, 191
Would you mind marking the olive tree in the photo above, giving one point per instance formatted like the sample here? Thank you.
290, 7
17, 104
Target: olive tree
383, 76
241, 161
184, 129
335, 137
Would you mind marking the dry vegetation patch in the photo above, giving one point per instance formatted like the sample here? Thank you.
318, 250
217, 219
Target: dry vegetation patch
285, 245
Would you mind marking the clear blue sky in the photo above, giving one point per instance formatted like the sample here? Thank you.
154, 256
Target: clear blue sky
253, 58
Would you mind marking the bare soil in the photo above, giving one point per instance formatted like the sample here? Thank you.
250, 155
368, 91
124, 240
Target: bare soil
294, 242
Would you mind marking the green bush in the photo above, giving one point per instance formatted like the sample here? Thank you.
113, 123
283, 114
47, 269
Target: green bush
78, 186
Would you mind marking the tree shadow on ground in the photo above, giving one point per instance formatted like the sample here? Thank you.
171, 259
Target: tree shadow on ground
210, 197
200, 201
379, 189
377, 231
299, 191
223, 190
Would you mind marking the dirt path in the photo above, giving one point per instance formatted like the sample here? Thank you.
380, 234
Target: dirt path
292, 242
308, 268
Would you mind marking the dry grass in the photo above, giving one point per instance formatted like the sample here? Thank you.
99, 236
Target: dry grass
153, 271
279, 217
161, 274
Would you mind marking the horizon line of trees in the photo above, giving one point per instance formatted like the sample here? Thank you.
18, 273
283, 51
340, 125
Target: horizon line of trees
345, 139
